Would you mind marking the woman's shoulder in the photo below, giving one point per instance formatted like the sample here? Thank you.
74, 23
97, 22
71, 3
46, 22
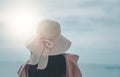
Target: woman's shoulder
71, 56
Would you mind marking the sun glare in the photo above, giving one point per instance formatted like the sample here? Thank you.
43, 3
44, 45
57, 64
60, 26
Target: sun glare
22, 23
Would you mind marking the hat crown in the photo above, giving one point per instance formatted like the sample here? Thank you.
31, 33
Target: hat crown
49, 28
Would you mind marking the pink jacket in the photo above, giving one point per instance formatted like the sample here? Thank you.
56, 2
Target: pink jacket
71, 71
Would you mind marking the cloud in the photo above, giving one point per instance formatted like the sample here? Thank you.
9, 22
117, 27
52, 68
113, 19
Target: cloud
80, 7
94, 40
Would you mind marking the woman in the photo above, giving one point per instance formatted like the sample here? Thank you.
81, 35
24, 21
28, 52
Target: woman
48, 57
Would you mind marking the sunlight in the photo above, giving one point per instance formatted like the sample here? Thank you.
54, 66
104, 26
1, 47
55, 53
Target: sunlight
22, 22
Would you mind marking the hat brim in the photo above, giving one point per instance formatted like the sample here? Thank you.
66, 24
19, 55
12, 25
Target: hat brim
61, 45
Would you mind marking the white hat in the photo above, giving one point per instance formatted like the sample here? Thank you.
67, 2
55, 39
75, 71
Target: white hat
48, 41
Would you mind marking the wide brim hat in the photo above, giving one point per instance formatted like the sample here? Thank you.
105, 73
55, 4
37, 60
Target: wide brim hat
47, 41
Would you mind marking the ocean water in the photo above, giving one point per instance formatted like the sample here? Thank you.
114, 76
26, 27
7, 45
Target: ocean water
97, 70
8, 69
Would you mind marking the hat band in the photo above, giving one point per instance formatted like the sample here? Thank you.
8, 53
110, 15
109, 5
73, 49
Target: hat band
47, 45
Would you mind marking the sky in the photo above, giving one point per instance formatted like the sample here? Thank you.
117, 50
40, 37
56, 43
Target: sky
93, 26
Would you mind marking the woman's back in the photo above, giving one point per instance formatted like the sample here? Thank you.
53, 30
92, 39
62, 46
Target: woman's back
56, 68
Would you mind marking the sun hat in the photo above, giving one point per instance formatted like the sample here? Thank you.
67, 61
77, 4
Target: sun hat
47, 41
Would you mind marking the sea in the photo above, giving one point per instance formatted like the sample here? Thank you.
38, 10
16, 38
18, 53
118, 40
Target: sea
9, 69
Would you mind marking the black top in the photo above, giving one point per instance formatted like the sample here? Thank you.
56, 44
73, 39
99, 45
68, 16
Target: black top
56, 68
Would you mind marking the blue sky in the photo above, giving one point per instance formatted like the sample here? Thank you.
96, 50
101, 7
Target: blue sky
93, 26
